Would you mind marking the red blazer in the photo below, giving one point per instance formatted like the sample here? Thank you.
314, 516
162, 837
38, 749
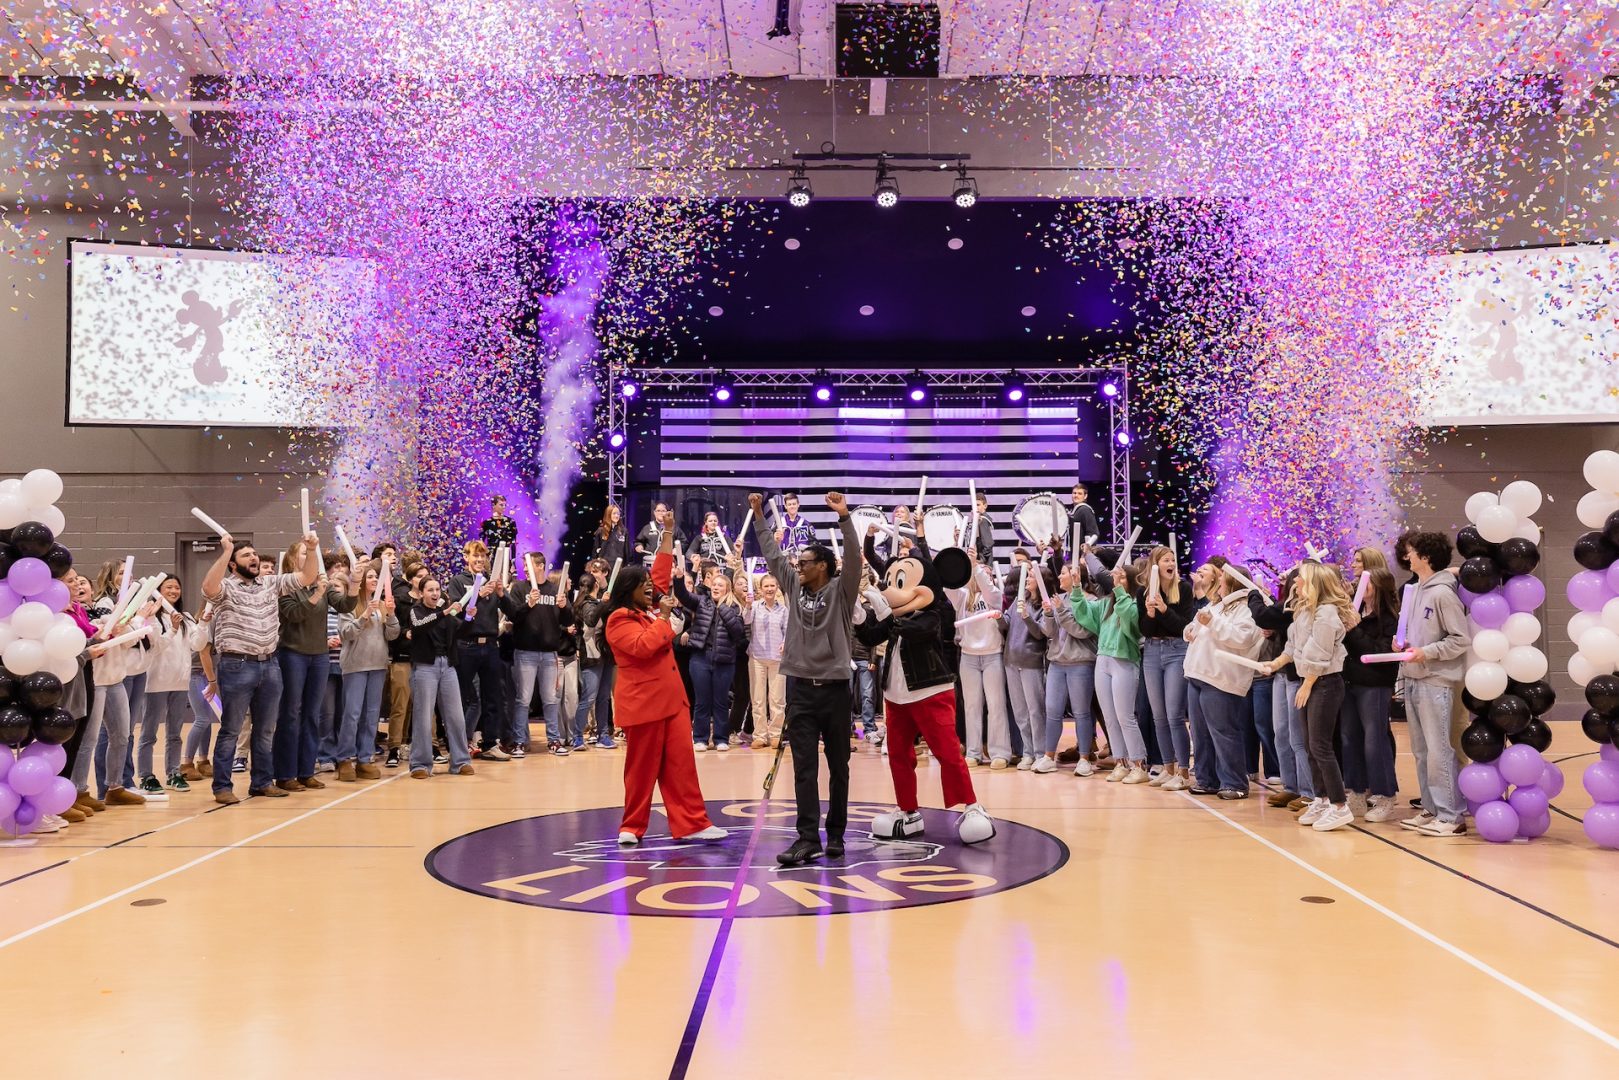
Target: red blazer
649, 687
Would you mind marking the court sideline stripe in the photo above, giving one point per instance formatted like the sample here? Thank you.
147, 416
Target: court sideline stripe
121, 893
1429, 936
108, 847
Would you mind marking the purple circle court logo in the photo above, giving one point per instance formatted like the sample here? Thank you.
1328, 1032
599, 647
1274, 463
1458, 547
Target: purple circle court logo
572, 862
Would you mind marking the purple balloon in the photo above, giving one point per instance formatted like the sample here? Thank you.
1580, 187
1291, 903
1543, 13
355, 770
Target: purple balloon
1602, 781
54, 596
1588, 590
27, 815
1521, 765
1491, 610
28, 576
1497, 822
1602, 825
1608, 752
55, 756
6, 761
30, 776
1481, 783
1613, 578
1530, 828
9, 826
1529, 802
9, 600
58, 795
1525, 592
1551, 781
1467, 595
9, 801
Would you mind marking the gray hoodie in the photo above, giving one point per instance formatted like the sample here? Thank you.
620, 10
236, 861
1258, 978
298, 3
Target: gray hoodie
1025, 644
1437, 623
820, 631
365, 641
1067, 642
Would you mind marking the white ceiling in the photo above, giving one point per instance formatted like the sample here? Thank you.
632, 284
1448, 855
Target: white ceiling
161, 43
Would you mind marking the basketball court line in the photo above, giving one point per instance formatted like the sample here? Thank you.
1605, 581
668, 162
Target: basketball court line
214, 854
89, 851
1560, 1011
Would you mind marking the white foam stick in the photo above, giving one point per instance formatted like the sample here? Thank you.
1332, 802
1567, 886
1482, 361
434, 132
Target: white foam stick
1152, 582
677, 553
775, 514
1360, 590
208, 521
613, 576
972, 525
1056, 530
1388, 657
747, 520
978, 617
528, 564
1022, 582
320, 560
1174, 550
303, 494
1040, 583
837, 548
1406, 601
725, 545
1124, 554
382, 578
921, 493
125, 639
124, 583
1238, 658
1079, 542
562, 580
348, 548
1247, 583
138, 596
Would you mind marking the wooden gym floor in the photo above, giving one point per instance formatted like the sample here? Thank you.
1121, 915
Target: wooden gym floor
1181, 938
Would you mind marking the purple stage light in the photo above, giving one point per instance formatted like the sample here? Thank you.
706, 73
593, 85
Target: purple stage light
722, 393
1015, 394
823, 393
1123, 438
629, 389
616, 440
917, 393
1110, 390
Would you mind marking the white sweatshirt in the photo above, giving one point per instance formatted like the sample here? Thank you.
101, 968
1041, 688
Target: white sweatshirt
982, 637
171, 655
1230, 629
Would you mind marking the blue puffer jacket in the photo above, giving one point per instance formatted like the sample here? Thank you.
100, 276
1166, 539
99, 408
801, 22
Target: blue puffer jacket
716, 629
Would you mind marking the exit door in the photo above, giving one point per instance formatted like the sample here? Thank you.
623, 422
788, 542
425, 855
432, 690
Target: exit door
194, 553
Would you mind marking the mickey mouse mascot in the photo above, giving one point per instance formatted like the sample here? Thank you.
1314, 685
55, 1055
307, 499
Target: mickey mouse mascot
911, 614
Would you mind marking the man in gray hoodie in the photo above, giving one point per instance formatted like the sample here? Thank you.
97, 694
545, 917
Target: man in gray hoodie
1437, 636
816, 660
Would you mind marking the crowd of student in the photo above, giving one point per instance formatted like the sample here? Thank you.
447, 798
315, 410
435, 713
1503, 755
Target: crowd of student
312, 667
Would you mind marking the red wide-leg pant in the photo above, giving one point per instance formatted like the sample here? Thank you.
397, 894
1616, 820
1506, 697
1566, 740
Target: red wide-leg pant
934, 719
661, 753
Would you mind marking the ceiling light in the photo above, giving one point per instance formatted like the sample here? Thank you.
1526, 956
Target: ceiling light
966, 190
799, 192
1110, 389
887, 190
1014, 389
823, 391
724, 388
629, 388
917, 388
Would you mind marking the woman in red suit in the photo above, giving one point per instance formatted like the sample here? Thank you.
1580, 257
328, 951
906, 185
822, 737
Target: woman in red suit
649, 703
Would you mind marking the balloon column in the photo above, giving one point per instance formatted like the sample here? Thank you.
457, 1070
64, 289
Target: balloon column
1505, 686
39, 648
1595, 630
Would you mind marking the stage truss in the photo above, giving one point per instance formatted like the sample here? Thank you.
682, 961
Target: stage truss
669, 385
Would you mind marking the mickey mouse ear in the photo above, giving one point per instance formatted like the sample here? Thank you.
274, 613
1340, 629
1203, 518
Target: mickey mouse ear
953, 567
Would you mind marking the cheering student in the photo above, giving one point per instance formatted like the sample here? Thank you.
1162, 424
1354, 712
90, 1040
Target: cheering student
477, 655
1164, 615
109, 704
766, 619
1287, 719
983, 543
1437, 637
1071, 676
796, 533
1082, 514
979, 641
651, 534
1364, 738
541, 619
1217, 685
168, 698
904, 528
406, 591
652, 704
436, 629
710, 545
1115, 622
816, 660
1322, 615
716, 635
588, 611
1025, 661
611, 538
497, 528
363, 661
305, 657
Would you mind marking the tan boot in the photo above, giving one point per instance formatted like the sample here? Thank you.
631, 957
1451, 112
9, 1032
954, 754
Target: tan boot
121, 797
290, 786
226, 797
191, 773
206, 768
465, 770
345, 772
367, 771
311, 783
87, 801
73, 815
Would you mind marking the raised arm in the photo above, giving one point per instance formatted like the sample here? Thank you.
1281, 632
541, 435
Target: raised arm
853, 563
213, 583
780, 566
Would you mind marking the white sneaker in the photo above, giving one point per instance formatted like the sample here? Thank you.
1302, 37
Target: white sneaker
722, 747
628, 839
1312, 813
700, 747
325, 766
1025, 763
1357, 803
1136, 775
50, 823
1380, 808
1160, 778
1419, 820
1174, 783
973, 760
1442, 828
1044, 765
1334, 817
1085, 767
713, 832
1120, 771
998, 763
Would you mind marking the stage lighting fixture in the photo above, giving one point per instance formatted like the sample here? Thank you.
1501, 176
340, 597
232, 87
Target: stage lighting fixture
916, 388
887, 190
629, 388
1110, 389
1014, 389
1123, 438
724, 388
616, 441
823, 391
966, 190
799, 192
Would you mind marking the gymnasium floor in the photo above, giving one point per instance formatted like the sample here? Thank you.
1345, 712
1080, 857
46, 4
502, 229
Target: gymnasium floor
1179, 937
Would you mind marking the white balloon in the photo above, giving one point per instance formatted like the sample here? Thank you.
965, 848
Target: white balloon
1523, 628
7, 635
1491, 646
1602, 471
1580, 670
1581, 622
23, 657
1600, 646
1478, 502
10, 486
13, 510
32, 620
1526, 664
63, 642
1486, 681
1521, 497
48, 516
43, 487
1594, 508
66, 670
1529, 531
1497, 523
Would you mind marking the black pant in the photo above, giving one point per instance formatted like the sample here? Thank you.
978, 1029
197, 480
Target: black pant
484, 708
1320, 731
818, 711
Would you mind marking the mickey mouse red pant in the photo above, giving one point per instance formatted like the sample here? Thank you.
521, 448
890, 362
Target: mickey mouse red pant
934, 718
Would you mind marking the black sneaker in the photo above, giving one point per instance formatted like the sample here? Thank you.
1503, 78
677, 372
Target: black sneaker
150, 784
1230, 794
1199, 789
561, 750
178, 783
393, 759
802, 851
440, 757
239, 765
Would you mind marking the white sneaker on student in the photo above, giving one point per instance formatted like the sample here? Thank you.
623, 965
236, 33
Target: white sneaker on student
1025, 763
700, 747
1357, 803
1312, 813
1380, 808
1442, 828
1334, 817
1174, 783
1160, 778
723, 747
1120, 771
1137, 775
1085, 767
1044, 765
1418, 821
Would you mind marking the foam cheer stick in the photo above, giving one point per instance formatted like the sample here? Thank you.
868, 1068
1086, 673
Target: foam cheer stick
742, 533
123, 584
1040, 583
139, 596
1406, 601
1247, 583
975, 618
1056, 530
921, 493
469, 602
124, 639
348, 548
303, 495
1388, 657
206, 520
1124, 553
613, 576
562, 580
1360, 590
1238, 658
1174, 551
972, 526
382, 580
1152, 582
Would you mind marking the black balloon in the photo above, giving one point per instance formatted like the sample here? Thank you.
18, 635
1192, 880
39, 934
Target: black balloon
1602, 694
1479, 575
1595, 726
40, 691
8, 687
59, 559
1610, 528
1537, 735
14, 724
1473, 704
32, 539
1539, 695
8, 559
1509, 714
1613, 732
1481, 742
1593, 551
1518, 556
1473, 546
54, 726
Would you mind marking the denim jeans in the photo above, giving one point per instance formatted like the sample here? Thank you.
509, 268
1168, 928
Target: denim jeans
202, 720
483, 710
1321, 722
1260, 697
297, 729
1287, 718
1116, 690
1221, 715
589, 685
362, 707
866, 686
1163, 664
111, 707
1070, 686
1429, 704
530, 667
1026, 693
1363, 740
247, 685
711, 680
436, 684
168, 708
983, 680
568, 707
124, 775
332, 709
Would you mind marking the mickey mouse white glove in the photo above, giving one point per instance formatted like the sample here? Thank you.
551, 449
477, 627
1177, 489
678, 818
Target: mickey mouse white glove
879, 606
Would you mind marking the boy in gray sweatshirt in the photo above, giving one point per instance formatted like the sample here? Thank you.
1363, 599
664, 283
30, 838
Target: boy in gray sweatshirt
1437, 635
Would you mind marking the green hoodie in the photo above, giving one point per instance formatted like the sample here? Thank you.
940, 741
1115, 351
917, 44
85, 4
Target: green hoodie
1115, 622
